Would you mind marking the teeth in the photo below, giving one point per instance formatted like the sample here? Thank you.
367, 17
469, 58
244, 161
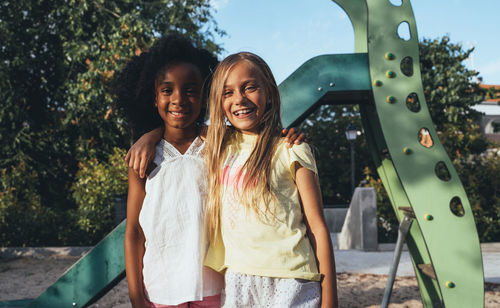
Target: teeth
175, 113
244, 111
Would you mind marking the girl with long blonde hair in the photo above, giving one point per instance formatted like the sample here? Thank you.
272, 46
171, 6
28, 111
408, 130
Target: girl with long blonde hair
264, 208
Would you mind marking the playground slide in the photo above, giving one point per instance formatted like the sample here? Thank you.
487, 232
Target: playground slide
419, 177
442, 240
91, 277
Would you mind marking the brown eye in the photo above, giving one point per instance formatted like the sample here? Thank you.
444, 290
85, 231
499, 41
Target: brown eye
166, 91
251, 87
192, 91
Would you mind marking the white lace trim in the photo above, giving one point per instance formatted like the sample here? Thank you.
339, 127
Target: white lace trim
249, 291
171, 151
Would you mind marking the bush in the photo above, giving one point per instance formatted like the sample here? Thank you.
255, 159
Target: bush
480, 175
23, 219
94, 190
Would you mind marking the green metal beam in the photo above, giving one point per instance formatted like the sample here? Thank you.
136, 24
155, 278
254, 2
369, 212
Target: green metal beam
90, 278
429, 290
15, 303
451, 241
357, 12
327, 79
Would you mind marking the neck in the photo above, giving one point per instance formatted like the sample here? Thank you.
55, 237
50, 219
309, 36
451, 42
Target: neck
180, 135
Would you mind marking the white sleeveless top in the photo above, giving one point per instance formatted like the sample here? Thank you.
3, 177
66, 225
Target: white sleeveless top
172, 219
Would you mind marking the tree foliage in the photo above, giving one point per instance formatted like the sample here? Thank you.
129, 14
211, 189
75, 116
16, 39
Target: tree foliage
450, 92
23, 219
326, 128
57, 61
94, 190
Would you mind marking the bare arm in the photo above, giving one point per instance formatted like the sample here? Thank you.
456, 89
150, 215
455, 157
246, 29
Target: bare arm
310, 194
134, 241
142, 152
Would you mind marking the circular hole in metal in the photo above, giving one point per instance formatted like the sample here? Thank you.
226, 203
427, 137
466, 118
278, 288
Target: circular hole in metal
404, 31
396, 2
424, 137
407, 66
442, 171
412, 102
456, 207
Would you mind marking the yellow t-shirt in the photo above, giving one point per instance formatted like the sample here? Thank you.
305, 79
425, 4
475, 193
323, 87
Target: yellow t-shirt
266, 244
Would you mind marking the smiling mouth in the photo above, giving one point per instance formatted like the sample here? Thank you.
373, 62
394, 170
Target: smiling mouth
243, 112
178, 114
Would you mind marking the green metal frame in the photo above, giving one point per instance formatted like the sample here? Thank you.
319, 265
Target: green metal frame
91, 277
447, 244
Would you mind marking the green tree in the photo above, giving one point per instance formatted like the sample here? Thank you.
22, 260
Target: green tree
57, 61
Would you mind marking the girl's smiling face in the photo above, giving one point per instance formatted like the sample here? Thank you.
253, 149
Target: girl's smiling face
179, 95
244, 98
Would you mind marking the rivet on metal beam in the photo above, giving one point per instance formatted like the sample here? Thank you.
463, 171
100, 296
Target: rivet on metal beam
449, 284
332, 84
390, 74
391, 99
320, 89
407, 150
428, 217
390, 56
377, 83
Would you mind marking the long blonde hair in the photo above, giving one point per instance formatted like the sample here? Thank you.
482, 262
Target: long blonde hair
255, 187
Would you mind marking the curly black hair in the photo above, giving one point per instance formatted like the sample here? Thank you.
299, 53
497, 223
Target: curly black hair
135, 84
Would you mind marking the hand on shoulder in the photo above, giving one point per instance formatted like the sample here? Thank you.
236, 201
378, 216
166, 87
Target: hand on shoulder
292, 136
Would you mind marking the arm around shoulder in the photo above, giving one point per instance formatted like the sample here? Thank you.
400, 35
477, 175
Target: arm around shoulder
142, 152
310, 194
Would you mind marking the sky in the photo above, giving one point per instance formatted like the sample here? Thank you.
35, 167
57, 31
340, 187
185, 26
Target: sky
286, 33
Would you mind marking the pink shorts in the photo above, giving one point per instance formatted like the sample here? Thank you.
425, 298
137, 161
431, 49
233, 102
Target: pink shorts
207, 302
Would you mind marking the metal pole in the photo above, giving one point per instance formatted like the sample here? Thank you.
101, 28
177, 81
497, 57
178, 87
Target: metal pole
404, 226
353, 181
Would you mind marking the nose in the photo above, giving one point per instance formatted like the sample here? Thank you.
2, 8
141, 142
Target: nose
239, 97
178, 98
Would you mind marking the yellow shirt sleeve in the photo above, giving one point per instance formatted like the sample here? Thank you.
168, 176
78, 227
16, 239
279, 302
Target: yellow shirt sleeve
302, 155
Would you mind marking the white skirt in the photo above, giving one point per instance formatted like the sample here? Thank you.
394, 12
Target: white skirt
249, 291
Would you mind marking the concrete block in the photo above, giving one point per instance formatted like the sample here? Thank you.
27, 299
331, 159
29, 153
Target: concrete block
359, 230
334, 218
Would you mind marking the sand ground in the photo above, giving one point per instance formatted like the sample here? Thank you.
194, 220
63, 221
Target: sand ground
27, 277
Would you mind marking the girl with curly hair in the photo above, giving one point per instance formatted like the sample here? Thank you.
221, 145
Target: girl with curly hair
165, 238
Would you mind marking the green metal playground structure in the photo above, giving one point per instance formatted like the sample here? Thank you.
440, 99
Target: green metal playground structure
383, 78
